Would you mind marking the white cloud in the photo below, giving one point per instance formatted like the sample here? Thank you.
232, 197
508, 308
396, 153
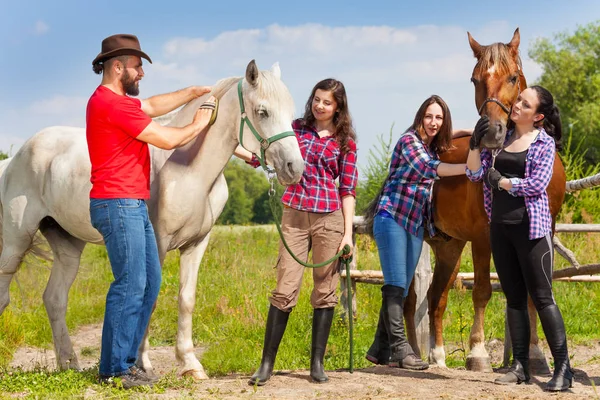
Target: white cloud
387, 71
59, 105
41, 28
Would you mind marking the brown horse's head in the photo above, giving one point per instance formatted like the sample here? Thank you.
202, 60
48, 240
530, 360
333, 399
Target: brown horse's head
498, 79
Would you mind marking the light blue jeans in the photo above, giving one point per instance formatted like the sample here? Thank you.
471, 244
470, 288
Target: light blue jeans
133, 255
399, 251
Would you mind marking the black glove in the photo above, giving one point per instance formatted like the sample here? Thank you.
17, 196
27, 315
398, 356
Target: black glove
492, 178
479, 132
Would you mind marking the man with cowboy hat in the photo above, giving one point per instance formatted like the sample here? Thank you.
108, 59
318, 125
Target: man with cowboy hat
118, 130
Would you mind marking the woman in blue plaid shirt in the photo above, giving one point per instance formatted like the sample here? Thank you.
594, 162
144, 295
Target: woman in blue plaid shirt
400, 213
521, 226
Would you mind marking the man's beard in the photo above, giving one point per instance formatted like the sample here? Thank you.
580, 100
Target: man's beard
129, 85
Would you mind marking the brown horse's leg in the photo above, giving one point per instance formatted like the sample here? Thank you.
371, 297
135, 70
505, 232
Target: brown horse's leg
478, 358
410, 305
447, 263
537, 361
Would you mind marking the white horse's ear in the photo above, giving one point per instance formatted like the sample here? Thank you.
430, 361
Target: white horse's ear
252, 73
276, 71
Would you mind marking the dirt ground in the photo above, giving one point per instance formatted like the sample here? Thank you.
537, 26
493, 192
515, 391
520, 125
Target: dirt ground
369, 383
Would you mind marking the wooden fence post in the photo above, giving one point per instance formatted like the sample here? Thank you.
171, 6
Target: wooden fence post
423, 276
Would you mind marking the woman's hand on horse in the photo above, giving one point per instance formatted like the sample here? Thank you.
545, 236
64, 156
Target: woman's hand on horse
479, 132
346, 240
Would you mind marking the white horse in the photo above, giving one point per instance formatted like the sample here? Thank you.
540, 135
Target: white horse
46, 187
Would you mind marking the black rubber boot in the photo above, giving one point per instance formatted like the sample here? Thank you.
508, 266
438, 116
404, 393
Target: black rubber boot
402, 354
276, 323
518, 326
554, 329
322, 318
379, 352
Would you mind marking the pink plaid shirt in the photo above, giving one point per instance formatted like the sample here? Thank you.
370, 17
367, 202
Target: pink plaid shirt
324, 162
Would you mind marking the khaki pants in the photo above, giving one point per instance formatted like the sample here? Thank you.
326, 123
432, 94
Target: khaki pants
303, 231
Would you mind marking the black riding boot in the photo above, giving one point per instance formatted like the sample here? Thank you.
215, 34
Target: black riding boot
402, 354
276, 323
518, 327
322, 318
379, 352
554, 329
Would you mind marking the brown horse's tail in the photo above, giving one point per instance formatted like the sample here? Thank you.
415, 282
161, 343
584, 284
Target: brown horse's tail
371, 210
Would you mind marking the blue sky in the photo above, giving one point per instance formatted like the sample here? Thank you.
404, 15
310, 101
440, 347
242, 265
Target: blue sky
390, 54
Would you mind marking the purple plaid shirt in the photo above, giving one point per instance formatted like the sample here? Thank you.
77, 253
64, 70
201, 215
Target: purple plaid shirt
407, 191
538, 171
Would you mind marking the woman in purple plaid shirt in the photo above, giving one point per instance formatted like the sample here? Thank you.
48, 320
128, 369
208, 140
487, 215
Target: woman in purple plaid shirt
521, 226
400, 213
317, 216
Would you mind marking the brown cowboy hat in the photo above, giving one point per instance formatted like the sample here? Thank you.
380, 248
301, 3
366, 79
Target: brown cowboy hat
120, 45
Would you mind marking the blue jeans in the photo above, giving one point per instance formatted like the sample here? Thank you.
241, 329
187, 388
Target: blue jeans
133, 254
399, 251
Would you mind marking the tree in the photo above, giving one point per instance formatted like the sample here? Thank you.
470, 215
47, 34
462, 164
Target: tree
246, 185
571, 71
3, 155
377, 170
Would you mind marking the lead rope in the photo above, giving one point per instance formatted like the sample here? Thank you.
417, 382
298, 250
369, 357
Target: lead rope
346, 261
495, 153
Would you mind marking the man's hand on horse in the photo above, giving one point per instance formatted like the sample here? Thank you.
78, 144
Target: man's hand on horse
479, 132
492, 178
201, 90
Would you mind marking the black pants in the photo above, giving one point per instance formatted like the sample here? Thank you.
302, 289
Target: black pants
523, 265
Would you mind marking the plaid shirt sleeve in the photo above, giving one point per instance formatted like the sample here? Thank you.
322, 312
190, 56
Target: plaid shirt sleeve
537, 181
486, 159
348, 171
415, 154
254, 162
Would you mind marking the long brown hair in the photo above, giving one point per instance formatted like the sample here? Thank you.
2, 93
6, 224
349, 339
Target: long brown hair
443, 140
342, 121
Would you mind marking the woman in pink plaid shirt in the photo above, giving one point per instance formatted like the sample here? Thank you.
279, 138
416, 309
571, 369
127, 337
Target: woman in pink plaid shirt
521, 226
317, 216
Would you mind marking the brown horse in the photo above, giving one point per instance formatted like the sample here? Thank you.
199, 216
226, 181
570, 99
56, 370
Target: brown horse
459, 213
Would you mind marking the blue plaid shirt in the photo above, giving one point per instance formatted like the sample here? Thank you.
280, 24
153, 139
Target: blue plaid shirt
407, 191
538, 172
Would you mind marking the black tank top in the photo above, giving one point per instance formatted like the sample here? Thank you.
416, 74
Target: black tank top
506, 208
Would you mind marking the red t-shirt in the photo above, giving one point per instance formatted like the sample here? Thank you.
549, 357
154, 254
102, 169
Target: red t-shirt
120, 162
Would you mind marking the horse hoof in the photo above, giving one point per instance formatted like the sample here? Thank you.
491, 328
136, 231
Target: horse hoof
539, 367
74, 365
479, 364
196, 375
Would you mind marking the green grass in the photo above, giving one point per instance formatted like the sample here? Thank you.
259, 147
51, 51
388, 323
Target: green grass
234, 283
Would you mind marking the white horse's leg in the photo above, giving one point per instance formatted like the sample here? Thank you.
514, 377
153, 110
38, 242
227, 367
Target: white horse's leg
188, 278
17, 236
14, 248
143, 360
67, 254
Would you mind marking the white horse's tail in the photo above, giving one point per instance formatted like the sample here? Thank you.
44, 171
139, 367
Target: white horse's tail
3, 165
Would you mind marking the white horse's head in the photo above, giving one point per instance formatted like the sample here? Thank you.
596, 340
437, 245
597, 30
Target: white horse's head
270, 109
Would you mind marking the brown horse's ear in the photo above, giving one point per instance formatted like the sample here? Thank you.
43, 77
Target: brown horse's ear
513, 45
476, 47
252, 73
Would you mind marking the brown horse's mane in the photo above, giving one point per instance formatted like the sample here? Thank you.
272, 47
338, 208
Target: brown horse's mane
498, 55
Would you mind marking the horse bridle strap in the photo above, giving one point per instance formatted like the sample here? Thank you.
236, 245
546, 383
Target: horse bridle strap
494, 100
264, 143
